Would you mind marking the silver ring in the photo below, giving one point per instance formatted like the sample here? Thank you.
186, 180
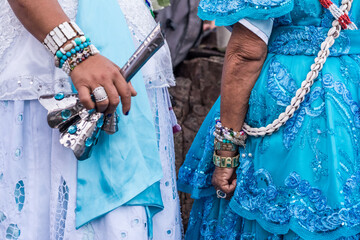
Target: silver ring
220, 194
100, 94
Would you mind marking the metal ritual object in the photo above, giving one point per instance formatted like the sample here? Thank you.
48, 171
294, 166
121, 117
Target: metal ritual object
80, 128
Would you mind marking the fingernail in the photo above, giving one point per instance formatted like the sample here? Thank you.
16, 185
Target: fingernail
127, 113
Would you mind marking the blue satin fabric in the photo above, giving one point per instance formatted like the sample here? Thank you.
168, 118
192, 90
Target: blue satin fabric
124, 168
302, 182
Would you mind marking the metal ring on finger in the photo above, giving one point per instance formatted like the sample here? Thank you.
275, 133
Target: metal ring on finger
100, 94
220, 194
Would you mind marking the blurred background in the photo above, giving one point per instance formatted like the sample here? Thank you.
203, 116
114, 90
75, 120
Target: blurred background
197, 50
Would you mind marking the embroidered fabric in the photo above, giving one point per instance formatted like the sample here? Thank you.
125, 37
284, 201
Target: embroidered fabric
304, 178
306, 40
10, 28
169, 224
38, 181
157, 71
19, 49
228, 12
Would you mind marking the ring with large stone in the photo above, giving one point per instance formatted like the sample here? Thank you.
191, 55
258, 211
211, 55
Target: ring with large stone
220, 194
100, 94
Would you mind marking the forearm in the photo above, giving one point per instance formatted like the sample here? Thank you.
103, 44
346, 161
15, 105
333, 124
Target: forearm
38, 16
244, 59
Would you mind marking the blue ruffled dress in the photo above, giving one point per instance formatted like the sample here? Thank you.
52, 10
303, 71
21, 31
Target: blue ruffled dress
303, 182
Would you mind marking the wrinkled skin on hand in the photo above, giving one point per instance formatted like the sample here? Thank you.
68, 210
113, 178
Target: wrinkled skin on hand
224, 179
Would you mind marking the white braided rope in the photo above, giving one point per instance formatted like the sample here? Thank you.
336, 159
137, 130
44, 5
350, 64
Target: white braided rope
320, 60
338, 12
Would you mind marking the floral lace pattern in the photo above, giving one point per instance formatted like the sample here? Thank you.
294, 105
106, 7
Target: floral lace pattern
228, 12
306, 41
13, 36
158, 70
304, 179
10, 28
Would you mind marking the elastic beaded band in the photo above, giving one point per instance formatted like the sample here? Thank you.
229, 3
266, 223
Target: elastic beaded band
224, 133
81, 56
221, 137
71, 49
226, 162
225, 145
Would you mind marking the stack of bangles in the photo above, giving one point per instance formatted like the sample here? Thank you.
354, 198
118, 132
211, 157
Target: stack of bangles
69, 46
226, 139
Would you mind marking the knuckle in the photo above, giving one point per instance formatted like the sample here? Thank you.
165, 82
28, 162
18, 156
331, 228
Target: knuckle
115, 73
85, 100
127, 93
213, 182
116, 101
102, 104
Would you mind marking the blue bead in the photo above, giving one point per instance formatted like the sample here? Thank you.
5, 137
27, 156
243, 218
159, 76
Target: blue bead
87, 39
81, 46
68, 54
59, 54
72, 129
100, 122
77, 48
73, 51
85, 44
65, 114
64, 57
62, 60
88, 142
77, 41
59, 96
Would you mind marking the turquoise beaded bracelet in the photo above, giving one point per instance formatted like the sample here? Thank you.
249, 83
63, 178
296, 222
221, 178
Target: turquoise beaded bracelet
71, 49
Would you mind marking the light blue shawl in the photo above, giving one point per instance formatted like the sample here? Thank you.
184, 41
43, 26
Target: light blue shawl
124, 168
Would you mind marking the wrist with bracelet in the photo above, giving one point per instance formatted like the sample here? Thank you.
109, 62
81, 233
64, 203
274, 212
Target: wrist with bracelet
226, 139
69, 45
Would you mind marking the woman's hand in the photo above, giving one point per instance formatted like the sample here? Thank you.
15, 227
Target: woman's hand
224, 179
39, 18
98, 71
244, 59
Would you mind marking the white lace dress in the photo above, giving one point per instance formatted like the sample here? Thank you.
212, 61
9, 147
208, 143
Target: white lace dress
37, 174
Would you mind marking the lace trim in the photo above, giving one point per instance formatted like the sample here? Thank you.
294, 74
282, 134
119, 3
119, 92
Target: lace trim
31, 87
10, 29
158, 71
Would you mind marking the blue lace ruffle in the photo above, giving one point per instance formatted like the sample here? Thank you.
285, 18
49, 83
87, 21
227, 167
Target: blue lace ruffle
228, 12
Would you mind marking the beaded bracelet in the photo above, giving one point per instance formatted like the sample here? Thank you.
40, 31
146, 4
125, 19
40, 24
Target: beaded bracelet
226, 162
71, 49
221, 137
225, 145
79, 57
68, 56
224, 133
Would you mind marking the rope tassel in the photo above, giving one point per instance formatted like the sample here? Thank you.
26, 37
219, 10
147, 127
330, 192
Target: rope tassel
339, 14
